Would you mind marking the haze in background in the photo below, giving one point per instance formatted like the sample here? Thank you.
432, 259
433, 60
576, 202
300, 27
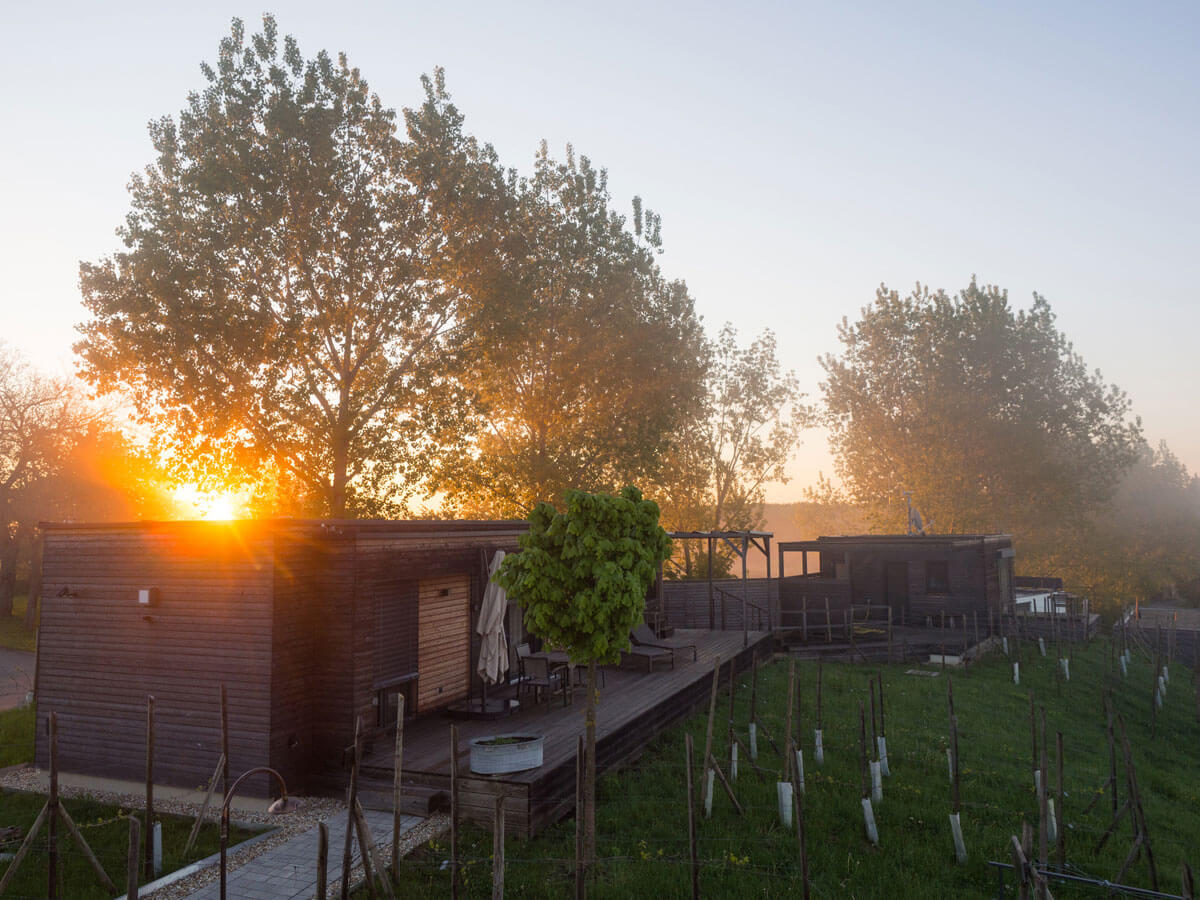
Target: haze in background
799, 156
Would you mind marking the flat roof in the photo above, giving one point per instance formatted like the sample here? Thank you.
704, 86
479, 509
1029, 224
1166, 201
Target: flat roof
894, 539
333, 526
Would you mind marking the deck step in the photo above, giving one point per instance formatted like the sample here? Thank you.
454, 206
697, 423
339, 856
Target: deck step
415, 800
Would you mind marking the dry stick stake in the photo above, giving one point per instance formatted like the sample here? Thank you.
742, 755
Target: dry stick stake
876, 782
397, 770
148, 861
498, 845
366, 842
351, 797
883, 760
1043, 810
798, 812
712, 713
212, 787
1060, 812
26, 844
322, 859
753, 727
1142, 840
691, 799
1033, 739
1020, 867
580, 889
732, 745
716, 767
819, 748
73, 830
868, 812
1188, 887
131, 863
960, 848
52, 814
454, 811
788, 743
224, 745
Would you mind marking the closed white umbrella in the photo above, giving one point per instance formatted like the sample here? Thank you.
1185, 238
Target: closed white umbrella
493, 643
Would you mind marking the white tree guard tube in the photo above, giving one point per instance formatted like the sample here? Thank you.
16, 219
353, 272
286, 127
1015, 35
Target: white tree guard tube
1004, 641
1042, 645
876, 782
1158, 701
783, 790
881, 743
1051, 822
1037, 782
1066, 668
1166, 675
819, 748
950, 764
1016, 673
800, 770
869, 821
960, 848
754, 741
1124, 668
733, 761
709, 775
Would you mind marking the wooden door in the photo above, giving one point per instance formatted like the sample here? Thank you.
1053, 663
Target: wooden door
896, 585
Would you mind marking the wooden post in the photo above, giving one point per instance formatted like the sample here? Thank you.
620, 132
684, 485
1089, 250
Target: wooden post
712, 713
955, 796
224, 745
454, 811
74, 831
397, 771
1033, 732
498, 845
148, 837
874, 728
882, 726
23, 850
819, 724
1043, 808
580, 889
366, 847
1060, 813
322, 860
52, 815
691, 801
131, 862
754, 688
351, 800
732, 684
788, 743
798, 811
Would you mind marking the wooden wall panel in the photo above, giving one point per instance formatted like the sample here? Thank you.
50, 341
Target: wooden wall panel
444, 641
102, 654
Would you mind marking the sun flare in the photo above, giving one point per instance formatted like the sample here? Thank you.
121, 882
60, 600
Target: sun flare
217, 506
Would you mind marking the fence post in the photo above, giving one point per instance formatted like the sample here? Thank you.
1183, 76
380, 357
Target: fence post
148, 862
322, 860
397, 770
691, 795
498, 845
131, 863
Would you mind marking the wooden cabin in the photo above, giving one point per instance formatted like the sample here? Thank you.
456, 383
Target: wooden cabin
916, 576
307, 624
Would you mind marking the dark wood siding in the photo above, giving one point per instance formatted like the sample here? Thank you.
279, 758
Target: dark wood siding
396, 607
102, 654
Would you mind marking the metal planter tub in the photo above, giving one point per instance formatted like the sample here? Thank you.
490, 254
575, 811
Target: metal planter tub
499, 754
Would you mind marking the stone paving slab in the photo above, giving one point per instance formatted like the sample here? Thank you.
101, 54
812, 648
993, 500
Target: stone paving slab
289, 871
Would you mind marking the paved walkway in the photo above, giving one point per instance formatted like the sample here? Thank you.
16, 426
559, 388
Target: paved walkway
16, 677
289, 871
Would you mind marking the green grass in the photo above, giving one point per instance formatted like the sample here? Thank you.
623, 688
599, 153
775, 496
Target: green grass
106, 829
16, 736
641, 816
13, 632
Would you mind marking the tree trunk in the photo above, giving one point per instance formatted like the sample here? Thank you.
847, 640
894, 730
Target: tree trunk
8, 570
338, 478
589, 781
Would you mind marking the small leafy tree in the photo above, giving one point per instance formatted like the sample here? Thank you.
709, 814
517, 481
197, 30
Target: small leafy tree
581, 578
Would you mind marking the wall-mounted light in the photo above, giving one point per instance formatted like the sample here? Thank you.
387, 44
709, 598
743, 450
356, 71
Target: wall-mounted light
148, 597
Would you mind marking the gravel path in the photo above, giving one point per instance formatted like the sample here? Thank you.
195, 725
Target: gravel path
290, 825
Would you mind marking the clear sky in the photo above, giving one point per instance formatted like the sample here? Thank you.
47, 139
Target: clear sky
800, 154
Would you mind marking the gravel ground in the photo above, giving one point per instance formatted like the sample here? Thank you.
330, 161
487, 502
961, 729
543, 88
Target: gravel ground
289, 825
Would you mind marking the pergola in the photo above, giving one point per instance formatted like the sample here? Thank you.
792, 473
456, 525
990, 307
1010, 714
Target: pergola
740, 542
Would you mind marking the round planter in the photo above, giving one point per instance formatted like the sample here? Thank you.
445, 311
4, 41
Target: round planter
499, 754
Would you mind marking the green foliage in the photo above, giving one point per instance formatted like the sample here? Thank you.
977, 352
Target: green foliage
986, 414
273, 314
582, 575
16, 736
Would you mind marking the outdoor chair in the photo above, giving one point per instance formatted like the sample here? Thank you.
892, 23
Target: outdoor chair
541, 676
522, 654
642, 636
650, 654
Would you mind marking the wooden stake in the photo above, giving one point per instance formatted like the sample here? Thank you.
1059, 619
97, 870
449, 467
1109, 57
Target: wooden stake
882, 726
828, 624
322, 860
864, 775
1060, 813
148, 837
889, 657
26, 844
1033, 732
819, 726
366, 847
131, 863
712, 714
351, 799
1043, 805
716, 767
52, 810
212, 787
874, 730
955, 805
580, 884
788, 743
397, 772
224, 744
798, 812
498, 845
454, 811
86, 850
732, 686
754, 688
691, 802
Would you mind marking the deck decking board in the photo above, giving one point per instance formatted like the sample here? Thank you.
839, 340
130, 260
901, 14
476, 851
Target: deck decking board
634, 707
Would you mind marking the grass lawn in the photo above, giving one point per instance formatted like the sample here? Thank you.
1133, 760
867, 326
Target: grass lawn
13, 632
106, 830
641, 817
16, 736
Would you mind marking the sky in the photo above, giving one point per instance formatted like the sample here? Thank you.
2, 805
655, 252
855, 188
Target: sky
800, 154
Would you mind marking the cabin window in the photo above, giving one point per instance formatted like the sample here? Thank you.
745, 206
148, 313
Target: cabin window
385, 701
937, 577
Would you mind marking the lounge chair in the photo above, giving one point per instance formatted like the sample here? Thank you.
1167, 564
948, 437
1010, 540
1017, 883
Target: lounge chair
642, 636
650, 654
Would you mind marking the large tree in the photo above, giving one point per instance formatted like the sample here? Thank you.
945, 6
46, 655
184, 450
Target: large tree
747, 430
586, 359
272, 310
984, 413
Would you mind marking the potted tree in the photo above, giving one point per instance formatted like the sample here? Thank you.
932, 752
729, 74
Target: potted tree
581, 579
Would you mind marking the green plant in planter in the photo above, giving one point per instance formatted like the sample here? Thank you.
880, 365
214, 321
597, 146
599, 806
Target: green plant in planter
581, 579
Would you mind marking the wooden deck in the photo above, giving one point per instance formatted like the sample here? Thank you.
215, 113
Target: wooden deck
634, 707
